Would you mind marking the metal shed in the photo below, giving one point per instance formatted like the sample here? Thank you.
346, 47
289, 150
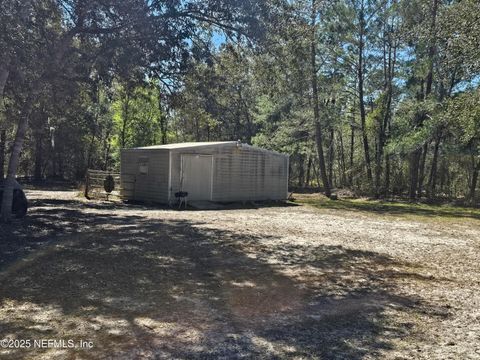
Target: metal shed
215, 171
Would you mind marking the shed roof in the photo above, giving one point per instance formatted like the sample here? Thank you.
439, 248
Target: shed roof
188, 145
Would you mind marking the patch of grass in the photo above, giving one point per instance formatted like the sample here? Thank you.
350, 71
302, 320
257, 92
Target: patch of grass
391, 208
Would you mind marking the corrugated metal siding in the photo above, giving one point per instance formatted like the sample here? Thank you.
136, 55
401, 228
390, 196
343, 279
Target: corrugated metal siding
244, 173
249, 174
152, 186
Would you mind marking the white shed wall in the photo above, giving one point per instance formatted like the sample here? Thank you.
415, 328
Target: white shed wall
244, 173
152, 186
239, 174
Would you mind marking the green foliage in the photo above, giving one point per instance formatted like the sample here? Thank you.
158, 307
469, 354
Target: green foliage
132, 75
218, 100
136, 115
463, 116
416, 123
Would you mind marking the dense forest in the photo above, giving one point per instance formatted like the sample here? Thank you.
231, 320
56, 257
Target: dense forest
381, 97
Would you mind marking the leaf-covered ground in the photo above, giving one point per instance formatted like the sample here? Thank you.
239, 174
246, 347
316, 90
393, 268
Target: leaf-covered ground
292, 281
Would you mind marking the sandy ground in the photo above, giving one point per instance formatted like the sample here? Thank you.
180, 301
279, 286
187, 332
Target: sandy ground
271, 282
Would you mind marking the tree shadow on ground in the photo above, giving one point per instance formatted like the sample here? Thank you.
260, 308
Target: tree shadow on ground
152, 288
238, 205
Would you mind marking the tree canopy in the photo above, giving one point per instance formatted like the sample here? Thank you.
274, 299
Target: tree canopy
377, 96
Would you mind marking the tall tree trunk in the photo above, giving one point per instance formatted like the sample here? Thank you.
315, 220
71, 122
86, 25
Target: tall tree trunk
387, 175
316, 105
433, 170
6, 208
107, 156
414, 165
4, 72
360, 74
248, 118
197, 129
378, 164
309, 171
37, 173
392, 61
443, 175
342, 159
428, 81
126, 106
431, 49
90, 152
421, 175
163, 128
301, 170
317, 176
473, 185
352, 148
330, 157
163, 119
388, 126
381, 141
106, 149
389, 61
382, 128
3, 141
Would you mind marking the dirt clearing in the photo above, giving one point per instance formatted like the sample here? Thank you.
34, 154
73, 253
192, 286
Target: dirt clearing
272, 282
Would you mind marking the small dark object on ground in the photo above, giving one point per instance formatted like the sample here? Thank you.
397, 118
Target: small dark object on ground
20, 203
333, 197
109, 184
182, 196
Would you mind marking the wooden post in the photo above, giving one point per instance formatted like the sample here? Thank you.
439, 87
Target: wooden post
87, 185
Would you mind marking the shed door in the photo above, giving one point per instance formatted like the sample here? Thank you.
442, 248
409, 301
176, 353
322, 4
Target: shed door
197, 176
142, 178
